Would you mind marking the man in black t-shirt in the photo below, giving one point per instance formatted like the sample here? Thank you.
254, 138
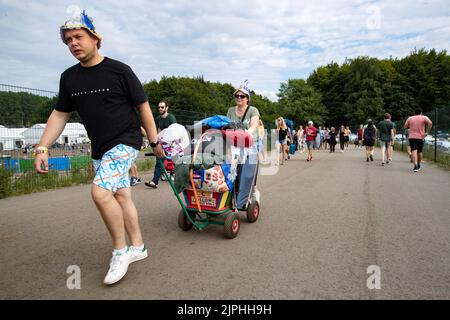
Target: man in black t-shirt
106, 94
163, 121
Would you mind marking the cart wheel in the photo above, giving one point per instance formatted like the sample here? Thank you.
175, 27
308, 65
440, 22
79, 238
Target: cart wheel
163, 177
232, 225
183, 221
253, 211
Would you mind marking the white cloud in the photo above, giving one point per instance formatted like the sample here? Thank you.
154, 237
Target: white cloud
229, 41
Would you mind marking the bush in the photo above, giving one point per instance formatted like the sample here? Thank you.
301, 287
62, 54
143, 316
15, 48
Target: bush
145, 164
5, 183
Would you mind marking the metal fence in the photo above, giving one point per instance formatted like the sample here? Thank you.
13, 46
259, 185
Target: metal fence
437, 143
38, 92
69, 163
70, 156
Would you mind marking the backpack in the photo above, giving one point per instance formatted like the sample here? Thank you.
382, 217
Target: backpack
289, 124
369, 133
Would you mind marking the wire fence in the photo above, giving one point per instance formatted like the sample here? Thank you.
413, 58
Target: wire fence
69, 157
38, 92
437, 143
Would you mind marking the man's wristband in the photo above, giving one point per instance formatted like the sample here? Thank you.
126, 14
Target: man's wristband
39, 150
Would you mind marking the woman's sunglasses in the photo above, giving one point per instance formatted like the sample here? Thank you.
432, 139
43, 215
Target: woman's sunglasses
240, 96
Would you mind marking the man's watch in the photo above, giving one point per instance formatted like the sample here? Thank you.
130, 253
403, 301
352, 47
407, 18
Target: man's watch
154, 144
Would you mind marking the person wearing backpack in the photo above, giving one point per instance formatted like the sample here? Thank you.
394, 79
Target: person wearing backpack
282, 133
369, 136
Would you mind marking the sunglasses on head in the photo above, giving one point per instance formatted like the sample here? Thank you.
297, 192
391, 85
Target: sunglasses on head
240, 96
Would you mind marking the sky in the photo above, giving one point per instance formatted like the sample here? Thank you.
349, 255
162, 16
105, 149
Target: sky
266, 42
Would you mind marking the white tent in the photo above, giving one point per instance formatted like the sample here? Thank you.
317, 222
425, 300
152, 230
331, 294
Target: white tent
9, 139
18, 131
74, 132
33, 134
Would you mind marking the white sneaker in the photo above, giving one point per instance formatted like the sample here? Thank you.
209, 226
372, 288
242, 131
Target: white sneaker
118, 267
256, 196
137, 254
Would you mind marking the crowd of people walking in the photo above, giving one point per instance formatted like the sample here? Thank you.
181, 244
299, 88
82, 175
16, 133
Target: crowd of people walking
310, 138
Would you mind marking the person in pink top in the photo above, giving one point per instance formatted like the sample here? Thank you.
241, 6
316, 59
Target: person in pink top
310, 134
419, 126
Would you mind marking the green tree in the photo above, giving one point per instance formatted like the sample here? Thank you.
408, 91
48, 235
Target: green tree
44, 110
300, 102
364, 92
18, 108
329, 81
192, 99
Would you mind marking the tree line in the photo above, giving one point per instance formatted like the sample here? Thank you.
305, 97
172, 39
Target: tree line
365, 87
332, 95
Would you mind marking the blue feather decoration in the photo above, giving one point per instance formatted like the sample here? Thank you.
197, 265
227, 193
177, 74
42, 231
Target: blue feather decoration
87, 21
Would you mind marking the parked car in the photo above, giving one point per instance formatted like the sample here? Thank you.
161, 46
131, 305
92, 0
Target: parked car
444, 135
429, 139
443, 145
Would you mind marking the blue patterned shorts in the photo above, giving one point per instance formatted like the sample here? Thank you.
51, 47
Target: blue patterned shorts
112, 169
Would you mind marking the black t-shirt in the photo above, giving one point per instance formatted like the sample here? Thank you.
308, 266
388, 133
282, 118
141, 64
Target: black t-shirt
282, 134
332, 137
105, 96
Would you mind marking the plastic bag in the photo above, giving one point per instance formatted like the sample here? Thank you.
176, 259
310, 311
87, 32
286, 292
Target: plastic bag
219, 178
174, 140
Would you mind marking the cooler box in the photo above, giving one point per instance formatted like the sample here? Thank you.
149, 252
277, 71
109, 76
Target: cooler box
213, 188
209, 200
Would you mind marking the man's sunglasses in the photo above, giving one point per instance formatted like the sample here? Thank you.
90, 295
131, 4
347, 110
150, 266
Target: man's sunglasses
161, 107
240, 96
